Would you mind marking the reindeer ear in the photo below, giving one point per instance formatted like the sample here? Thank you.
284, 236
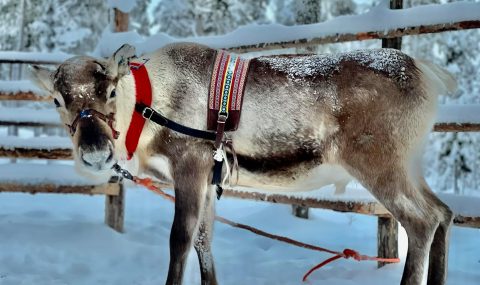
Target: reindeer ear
42, 76
118, 64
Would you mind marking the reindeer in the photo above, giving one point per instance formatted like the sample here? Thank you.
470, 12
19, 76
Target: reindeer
307, 121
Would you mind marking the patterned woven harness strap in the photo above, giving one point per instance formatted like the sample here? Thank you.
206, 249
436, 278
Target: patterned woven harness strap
225, 102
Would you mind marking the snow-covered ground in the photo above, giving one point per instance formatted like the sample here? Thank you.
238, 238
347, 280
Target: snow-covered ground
61, 239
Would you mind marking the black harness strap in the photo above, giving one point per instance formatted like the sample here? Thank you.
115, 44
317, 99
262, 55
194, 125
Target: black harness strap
152, 115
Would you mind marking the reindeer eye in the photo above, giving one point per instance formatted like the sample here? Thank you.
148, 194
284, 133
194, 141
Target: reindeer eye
57, 104
113, 94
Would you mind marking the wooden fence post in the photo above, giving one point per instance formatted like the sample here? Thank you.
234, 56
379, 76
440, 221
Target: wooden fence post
115, 209
387, 227
387, 238
121, 21
300, 211
115, 205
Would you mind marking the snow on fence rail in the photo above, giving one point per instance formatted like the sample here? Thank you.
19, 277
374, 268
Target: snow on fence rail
379, 22
21, 90
33, 57
361, 36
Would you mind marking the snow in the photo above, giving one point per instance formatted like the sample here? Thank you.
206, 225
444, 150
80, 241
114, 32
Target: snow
390, 61
12, 86
467, 206
379, 18
43, 143
466, 113
37, 57
61, 239
31, 173
26, 115
123, 5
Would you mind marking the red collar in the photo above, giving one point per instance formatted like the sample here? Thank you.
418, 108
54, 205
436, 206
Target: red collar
143, 94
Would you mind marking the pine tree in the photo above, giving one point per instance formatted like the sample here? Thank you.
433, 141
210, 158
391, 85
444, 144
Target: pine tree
284, 12
64, 25
9, 29
184, 18
339, 8
139, 20
10, 32
307, 12
175, 17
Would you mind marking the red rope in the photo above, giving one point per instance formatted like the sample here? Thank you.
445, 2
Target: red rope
346, 253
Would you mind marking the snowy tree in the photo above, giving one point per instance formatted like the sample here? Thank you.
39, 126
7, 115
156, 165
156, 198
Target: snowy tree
307, 11
11, 33
452, 159
9, 28
250, 11
183, 18
139, 20
175, 17
339, 8
64, 25
283, 11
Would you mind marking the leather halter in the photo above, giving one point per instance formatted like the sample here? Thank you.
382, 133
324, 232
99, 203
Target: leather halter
88, 113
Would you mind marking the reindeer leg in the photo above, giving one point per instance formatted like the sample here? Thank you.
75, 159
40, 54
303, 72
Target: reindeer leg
190, 192
203, 241
412, 208
410, 205
438, 263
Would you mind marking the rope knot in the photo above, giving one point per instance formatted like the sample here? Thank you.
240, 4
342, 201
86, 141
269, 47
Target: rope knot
350, 253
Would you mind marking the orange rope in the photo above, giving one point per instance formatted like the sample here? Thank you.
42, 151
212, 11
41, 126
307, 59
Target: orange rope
346, 253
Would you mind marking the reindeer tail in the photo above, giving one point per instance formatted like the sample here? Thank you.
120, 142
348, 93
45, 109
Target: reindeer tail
437, 78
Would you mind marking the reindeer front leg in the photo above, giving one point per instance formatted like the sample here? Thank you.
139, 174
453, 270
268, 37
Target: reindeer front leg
203, 240
190, 176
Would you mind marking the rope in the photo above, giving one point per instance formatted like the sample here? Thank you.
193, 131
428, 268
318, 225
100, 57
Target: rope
346, 253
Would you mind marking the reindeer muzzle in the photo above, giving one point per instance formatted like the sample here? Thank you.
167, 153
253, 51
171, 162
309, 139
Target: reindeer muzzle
88, 113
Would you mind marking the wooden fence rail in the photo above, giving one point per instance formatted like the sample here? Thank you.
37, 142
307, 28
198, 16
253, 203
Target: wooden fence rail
26, 58
372, 35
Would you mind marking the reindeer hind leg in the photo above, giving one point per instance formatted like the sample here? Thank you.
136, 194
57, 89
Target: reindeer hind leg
438, 260
409, 205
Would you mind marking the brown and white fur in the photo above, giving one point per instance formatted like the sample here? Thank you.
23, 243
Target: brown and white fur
307, 121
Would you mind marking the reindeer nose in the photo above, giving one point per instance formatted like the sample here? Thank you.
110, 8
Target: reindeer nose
97, 159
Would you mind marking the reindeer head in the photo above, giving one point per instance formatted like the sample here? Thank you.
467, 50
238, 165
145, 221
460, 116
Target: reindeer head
83, 89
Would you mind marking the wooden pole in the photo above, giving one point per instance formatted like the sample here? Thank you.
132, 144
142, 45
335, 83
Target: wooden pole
115, 210
121, 21
300, 211
387, 239
115, 205
387, 227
